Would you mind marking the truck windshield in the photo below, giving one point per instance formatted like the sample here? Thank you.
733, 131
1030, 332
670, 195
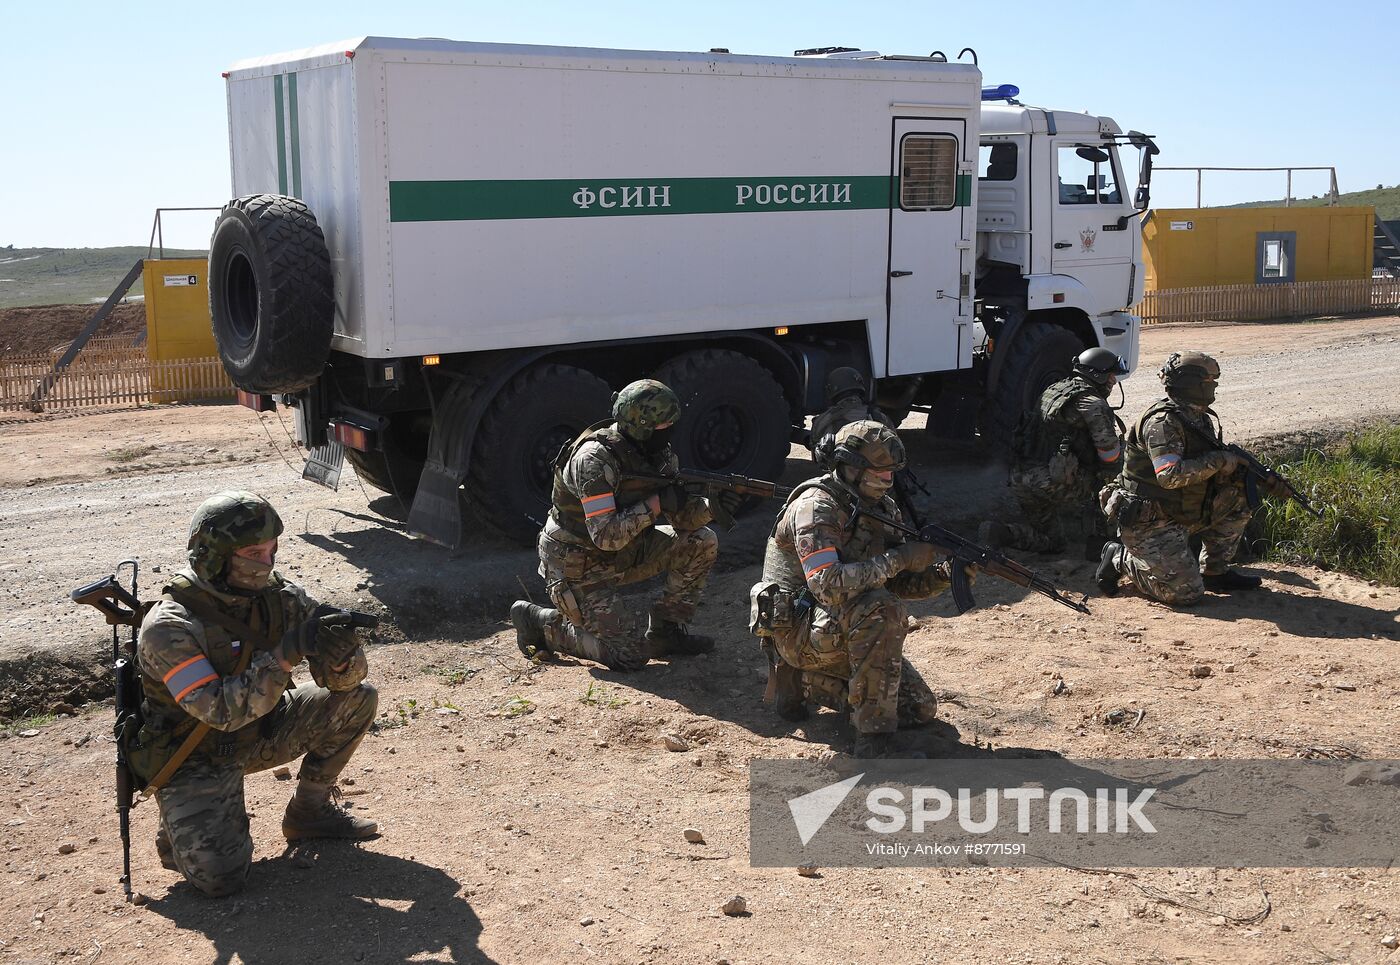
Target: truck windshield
1087, 175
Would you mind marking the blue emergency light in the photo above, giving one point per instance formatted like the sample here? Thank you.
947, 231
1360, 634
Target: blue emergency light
1002, 92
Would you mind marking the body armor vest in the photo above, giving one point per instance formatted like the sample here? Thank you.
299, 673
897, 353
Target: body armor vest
1054, 423
1186, 505
865, 540
567, 509
263, 613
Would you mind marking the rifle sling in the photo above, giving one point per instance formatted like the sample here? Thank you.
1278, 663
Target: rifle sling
206, 614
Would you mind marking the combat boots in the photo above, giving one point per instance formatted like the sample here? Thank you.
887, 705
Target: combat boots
529, 621
1108, 573
1230, 580
871, 746
314, 812
784, 690
669, 638
993, 534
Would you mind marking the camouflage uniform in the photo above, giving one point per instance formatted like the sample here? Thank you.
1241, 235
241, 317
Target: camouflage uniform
849, 642
1072, 449
602, 535
258, 720
1172, 488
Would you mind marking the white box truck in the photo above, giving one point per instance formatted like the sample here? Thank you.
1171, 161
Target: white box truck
446, 256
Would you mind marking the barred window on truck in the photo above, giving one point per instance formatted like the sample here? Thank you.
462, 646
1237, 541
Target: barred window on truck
928, 166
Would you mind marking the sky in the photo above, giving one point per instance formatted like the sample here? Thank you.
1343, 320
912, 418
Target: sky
112, 110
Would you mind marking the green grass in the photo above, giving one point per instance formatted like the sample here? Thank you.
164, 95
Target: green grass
518, 707
599, 696
33, 722
1356, 483
69, 276
1383, 199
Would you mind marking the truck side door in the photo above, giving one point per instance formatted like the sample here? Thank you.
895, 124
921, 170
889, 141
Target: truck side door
930, 281
1089, 199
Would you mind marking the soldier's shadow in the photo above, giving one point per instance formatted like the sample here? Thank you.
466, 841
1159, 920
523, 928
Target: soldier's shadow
718, 686
328, 902
1305, 616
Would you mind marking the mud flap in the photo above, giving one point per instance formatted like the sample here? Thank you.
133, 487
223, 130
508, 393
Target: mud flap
323, 465
437, 511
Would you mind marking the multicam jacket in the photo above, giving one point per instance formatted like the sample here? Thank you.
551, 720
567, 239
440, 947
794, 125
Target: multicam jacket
597, 503
189, 667
820, 542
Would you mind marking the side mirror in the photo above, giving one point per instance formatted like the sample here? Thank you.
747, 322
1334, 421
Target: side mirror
1093, 155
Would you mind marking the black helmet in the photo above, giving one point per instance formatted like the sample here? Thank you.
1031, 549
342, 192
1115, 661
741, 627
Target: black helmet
843, 381
1097, 364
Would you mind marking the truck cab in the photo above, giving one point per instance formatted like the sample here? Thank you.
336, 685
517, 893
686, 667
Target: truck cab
1058, 239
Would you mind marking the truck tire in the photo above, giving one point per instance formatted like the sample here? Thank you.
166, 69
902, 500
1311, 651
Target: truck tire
538, 411
1040, 355
396, 468
734, 416
270, 294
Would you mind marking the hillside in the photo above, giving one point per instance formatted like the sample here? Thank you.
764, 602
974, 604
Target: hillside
1386, 200
67, 276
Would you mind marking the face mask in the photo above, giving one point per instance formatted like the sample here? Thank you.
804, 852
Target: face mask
246, 574
1194, 391
872, 487
658, 440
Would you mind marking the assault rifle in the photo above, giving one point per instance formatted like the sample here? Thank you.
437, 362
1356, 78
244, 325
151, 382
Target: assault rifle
708, 483
122, 608
1255, 473
962, 552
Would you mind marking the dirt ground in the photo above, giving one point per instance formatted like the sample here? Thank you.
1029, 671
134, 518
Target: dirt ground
38, 329
554, 834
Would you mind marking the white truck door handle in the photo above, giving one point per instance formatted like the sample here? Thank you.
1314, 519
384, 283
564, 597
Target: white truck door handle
900, 274
1063, 244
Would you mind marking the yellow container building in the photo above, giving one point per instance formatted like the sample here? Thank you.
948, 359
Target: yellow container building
1204, 247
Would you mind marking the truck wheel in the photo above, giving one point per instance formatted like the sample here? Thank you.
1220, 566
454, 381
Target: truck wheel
734, 416
1040, 355
270, 295
522, 431
396, 468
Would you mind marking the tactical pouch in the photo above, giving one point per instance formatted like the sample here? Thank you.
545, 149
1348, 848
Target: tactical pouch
1132, 510
761, 607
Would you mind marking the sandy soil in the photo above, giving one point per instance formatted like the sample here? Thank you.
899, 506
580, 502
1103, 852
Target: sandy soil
504, 834
42, 327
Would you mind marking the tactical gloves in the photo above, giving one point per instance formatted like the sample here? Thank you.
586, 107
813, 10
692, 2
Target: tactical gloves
672, 498
328, 633
730, 501
915, 556
1227, 462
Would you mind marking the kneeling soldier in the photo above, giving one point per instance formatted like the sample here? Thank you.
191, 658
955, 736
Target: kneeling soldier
1177, 483
216, 655
830, 600
604, 532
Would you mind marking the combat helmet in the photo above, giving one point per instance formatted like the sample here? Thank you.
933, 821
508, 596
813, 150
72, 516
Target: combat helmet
1097, 364
644, 405
1190, 377
842, 382
869, 445
223, 523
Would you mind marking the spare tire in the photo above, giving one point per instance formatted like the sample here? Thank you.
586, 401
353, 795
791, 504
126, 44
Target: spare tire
270, 295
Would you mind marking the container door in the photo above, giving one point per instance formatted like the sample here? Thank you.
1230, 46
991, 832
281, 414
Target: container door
930, 292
